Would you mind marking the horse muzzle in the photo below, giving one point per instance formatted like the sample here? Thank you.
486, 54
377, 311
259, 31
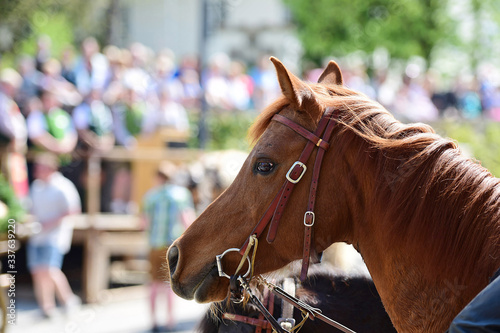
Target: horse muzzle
203, 286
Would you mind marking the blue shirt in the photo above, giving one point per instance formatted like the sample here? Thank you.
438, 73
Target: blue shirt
163, 207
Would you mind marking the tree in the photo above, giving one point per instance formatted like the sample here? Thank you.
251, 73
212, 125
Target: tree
404, 28
21, 20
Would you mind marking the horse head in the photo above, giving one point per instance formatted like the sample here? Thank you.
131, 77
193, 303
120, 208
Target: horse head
230, 219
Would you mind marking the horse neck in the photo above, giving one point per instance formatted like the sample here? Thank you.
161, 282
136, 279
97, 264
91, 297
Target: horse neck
427, 259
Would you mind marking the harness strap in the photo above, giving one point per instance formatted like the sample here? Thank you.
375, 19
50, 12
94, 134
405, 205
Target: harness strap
309, 216
269, 317
275, 210
259, 323
302, 131
297, 169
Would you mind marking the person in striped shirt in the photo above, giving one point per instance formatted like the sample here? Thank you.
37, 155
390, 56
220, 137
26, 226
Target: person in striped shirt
167, 211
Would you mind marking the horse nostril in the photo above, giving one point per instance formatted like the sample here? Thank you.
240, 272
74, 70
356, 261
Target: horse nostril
172, 258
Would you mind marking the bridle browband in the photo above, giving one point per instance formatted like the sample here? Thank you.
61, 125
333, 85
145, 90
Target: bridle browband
319, 138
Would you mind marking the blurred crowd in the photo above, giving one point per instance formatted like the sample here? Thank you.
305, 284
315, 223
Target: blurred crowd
415, 95
93, 99
111, 96
117, 94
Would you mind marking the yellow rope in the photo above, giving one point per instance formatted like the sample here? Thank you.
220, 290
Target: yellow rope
305, 316
252, 242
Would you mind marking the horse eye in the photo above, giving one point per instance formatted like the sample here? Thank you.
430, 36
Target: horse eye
264, 167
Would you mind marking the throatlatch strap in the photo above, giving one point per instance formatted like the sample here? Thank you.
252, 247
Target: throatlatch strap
309, 216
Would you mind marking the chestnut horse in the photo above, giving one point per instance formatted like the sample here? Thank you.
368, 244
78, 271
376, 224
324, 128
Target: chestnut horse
425, 218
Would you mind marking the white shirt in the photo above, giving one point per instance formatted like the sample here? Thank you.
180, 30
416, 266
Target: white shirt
51, 200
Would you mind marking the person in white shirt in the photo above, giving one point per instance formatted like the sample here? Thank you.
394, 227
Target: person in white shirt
54, 198
171, 114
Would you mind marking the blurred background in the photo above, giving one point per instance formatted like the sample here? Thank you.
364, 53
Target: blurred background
136, 82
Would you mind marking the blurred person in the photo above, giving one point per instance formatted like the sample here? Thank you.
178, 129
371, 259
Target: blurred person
132, 117
43, 51
165, 78
31, 85
190, 80
413, 102
167, 212
467, 97
488, 76
216, 83
139, 54
188, 74
266, 86
94, 124
494, 107
386, 85
129, 115
52, 80
13, 132
170, 113
137, 75
68, 64
240, 86
121, 63
357, 79
91, 70
54, 198
116, 66
189, 62
50, 128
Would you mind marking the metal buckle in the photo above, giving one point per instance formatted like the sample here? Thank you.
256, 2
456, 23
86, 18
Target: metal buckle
313, 217
220, 269
304, 168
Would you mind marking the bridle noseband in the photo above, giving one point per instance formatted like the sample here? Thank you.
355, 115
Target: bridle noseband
319, 138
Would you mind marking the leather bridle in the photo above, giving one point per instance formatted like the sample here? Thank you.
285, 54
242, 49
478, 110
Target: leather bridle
319, 138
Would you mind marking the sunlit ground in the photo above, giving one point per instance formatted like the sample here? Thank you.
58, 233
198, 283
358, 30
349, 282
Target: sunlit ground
119, 312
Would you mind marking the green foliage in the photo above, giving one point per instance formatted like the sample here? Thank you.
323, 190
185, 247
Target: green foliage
21, 22
57, 26
404, 28
7, 196
482, 139
227, 130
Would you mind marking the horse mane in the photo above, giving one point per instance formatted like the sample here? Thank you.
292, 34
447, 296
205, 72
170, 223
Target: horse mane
431, 194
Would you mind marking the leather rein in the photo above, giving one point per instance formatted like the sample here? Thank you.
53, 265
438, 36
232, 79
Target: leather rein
319, 138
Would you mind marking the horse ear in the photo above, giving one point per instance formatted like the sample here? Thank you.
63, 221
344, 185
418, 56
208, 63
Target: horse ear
294, 89
331, 74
